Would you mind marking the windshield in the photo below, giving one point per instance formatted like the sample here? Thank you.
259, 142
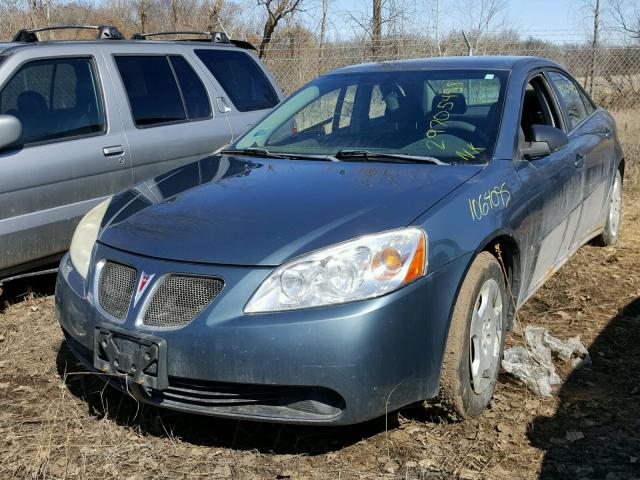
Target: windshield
450, 115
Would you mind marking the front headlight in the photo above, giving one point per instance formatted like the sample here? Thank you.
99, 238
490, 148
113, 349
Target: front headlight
85, 236
363, 268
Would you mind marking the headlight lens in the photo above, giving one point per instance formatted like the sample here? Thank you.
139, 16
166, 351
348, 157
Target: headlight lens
367, 267
85, 236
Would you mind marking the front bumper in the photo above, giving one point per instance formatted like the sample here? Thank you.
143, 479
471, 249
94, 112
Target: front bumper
332, 365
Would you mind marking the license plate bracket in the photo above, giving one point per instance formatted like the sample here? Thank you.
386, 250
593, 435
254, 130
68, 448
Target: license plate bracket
140, 357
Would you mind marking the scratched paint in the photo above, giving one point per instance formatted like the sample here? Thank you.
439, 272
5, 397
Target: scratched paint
495, 198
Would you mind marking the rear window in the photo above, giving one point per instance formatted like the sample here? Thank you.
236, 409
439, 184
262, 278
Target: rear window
244, 81
162, 90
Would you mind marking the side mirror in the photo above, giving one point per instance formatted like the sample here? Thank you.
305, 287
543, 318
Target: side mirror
10, 130
545, 140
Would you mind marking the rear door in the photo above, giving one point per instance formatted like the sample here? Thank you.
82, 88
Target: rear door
591, 138
72, 152
247, 91
169, 116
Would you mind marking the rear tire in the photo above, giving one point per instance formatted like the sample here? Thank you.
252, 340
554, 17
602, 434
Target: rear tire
609, 236
476, 340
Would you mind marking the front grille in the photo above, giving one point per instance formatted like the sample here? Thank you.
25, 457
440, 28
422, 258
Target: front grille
115, 288
179, 298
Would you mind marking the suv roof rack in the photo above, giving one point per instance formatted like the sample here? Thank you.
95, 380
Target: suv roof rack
105, 32
214, 37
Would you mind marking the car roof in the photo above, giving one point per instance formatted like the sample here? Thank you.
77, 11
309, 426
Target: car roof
4, 46
134, 44
449, 63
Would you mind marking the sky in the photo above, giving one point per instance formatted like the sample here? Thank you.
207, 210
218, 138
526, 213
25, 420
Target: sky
554, 20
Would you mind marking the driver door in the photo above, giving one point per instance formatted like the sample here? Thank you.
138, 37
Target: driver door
553, 185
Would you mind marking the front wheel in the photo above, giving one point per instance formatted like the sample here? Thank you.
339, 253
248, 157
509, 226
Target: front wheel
476, 339
611, 231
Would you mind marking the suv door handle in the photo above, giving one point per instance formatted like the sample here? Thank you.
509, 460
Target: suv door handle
579, 161
113, 151
222, 105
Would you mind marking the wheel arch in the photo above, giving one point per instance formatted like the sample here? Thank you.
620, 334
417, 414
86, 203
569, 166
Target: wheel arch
503, 245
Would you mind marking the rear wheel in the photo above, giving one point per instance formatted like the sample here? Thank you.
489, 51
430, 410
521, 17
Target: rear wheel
609, 236
476, 339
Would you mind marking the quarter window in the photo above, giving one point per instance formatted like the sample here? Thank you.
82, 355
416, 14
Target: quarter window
571, 98
242, 79
54, 99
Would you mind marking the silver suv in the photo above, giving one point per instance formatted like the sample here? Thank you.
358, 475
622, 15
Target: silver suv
81, 120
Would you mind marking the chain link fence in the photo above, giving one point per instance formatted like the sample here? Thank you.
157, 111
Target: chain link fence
610, 74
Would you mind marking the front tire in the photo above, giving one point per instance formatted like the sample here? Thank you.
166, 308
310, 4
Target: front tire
609, 236
476, 339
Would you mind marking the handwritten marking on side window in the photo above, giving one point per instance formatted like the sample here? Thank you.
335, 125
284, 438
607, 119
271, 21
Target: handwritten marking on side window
498, 196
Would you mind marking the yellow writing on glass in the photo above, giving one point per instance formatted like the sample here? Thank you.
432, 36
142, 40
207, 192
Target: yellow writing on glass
496, 197
469, 152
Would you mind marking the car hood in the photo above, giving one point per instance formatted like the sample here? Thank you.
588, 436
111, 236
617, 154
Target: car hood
262, 212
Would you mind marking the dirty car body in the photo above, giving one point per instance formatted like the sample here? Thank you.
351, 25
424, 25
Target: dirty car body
171, 296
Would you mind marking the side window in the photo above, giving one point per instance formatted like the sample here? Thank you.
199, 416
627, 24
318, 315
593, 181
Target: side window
316, 118
151, 86
319, 113
537, 107
54, 99
377, 106
242, 79
571, 98
195, 96
347, 107
588, 103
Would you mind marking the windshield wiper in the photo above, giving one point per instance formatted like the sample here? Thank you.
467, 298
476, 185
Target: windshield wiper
263, 152
368, 156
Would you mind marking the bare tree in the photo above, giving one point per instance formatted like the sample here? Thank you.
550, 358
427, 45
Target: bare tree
214, 8
143, 13
323, 24
276, 11
389, 13
594, 43
376, 25
174, 15
626, 18
484, 16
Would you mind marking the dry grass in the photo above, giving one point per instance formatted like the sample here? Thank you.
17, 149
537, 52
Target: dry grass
58, 422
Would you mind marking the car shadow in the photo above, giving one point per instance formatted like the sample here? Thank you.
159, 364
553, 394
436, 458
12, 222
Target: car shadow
595, 432
17, 291
104, 401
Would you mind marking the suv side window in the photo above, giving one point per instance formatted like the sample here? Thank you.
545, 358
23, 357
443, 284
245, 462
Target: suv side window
242, 79
570, 97
54, 99
154, 96
194, 94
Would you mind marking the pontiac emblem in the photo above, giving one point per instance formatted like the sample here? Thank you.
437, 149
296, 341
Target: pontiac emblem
143, 283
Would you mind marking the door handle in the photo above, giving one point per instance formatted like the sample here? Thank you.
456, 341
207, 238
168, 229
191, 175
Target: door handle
607, 133
113, 151
222, 105
579, 161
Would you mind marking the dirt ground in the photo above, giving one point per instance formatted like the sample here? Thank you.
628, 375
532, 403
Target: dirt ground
57, 421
